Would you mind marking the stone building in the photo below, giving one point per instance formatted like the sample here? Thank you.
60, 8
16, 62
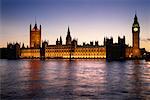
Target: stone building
71, 49
35, 36
136, 38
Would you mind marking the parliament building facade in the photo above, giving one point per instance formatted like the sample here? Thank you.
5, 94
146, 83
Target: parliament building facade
71, 49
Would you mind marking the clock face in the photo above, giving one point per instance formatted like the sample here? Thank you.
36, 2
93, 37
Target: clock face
135, 29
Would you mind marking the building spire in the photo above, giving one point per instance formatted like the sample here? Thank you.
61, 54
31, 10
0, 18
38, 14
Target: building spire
60, 38
68, 38
135, 17
35, 27
68, 33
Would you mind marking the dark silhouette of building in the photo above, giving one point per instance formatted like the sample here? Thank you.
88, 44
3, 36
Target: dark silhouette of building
3, 53
59, 42
115, 51
13, 51
147, 56
43, 49
109, 45
74, 43
96, 43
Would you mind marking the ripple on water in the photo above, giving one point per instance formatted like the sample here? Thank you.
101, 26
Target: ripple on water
78, 79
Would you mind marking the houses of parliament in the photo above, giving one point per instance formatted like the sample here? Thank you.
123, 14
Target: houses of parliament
71, 50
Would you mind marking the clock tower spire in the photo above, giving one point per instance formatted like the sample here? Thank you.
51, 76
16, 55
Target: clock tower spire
136, 37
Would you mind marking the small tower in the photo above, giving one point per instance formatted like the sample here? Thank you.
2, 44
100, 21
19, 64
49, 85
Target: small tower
109, 48
68, 38
96, 43
23, 46
104, 41
60, 40
57, 42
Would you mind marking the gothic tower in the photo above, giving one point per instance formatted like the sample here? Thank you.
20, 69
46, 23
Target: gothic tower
136, 38
35, 36
68, 38
60, 40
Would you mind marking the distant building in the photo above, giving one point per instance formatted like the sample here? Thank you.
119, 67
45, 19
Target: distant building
30, 53
115, 51
11, 52
71, 49
59, 42
74, 50
3, 53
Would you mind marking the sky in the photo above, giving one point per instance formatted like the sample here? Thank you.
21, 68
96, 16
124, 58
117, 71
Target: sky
89, 20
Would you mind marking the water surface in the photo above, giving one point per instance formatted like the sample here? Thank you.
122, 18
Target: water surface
77, 80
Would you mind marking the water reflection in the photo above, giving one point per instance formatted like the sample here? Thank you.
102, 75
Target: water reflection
70, 80
136, 80
91, 79
35, 81
77, 79
138, 89
116, 81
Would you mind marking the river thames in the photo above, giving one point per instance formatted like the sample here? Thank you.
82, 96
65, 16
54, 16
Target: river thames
75, 80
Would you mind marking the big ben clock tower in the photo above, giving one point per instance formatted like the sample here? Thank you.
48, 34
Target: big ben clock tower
136, 38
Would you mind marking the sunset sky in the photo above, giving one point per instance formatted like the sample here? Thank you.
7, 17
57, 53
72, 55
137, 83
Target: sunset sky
89, 20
